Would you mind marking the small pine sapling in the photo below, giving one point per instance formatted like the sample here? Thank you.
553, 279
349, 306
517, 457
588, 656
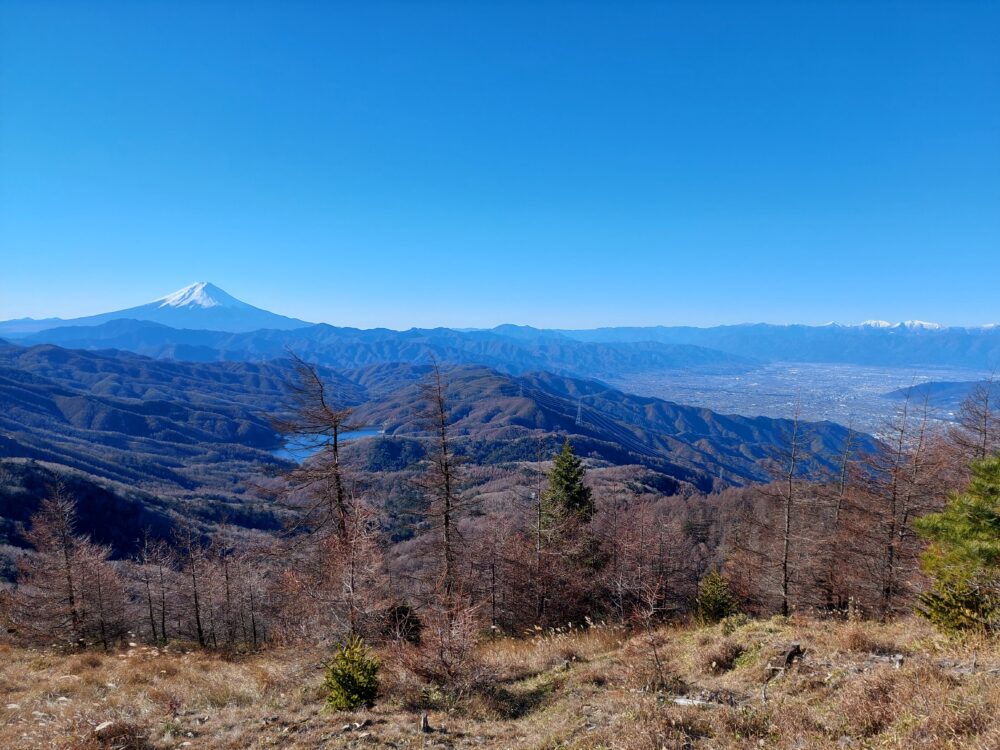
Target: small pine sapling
352, 677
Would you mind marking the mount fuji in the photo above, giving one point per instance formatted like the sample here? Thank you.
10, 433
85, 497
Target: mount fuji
201, 306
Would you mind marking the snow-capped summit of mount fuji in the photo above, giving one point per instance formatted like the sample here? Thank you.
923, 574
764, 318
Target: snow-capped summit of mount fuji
201, 294
198, 306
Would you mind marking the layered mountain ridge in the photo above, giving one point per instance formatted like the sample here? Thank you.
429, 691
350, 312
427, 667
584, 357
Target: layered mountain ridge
202, 322
195, 435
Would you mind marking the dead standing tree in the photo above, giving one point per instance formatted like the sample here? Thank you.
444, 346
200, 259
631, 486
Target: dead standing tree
776, 538
103, 595
831, 580
449, 619
194, 605
316, 421
69, 589
152, 573
788, 469
334, 578
640, 562
494, 562
894, 485
977, 433
441, 482
50, 584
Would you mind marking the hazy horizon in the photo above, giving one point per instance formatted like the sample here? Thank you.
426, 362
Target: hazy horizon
459, 326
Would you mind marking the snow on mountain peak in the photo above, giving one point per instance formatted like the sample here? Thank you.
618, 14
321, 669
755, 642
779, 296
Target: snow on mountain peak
922, 325
876, 324
201, 294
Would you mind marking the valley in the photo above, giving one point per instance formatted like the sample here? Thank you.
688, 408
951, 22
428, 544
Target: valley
850, 394
184, 414
557, 375
198, 435
489, 492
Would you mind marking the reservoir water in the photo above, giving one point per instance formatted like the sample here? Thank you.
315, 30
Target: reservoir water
300, 450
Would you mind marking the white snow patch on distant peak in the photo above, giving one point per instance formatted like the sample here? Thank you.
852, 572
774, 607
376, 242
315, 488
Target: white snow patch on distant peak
201, 294
922, 325
876, 324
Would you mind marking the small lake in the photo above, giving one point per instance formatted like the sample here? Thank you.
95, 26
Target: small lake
300, 450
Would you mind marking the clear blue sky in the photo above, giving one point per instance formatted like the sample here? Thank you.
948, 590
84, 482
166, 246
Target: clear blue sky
466, 164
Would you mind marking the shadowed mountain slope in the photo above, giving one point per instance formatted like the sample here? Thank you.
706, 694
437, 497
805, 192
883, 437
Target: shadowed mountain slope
691, 444
946, 395
196, 436
353, 347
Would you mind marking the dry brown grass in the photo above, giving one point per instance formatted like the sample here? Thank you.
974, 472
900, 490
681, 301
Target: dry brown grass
720, 656
596, 688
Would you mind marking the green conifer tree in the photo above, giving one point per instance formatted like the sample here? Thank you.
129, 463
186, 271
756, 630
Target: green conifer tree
351, 677
963, 558
714, 601
567, 495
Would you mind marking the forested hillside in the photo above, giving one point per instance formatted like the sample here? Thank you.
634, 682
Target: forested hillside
200, 438
440, 561
596, 375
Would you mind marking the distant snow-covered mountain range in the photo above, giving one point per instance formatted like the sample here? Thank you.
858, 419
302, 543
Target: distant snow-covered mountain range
203, 322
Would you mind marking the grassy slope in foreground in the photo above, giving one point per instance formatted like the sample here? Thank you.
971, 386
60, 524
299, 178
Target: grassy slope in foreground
573, 690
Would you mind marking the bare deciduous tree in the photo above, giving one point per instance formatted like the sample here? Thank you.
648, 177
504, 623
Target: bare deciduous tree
894, 484
315, 421
776, 537
68, 589
978, 430
442, 482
